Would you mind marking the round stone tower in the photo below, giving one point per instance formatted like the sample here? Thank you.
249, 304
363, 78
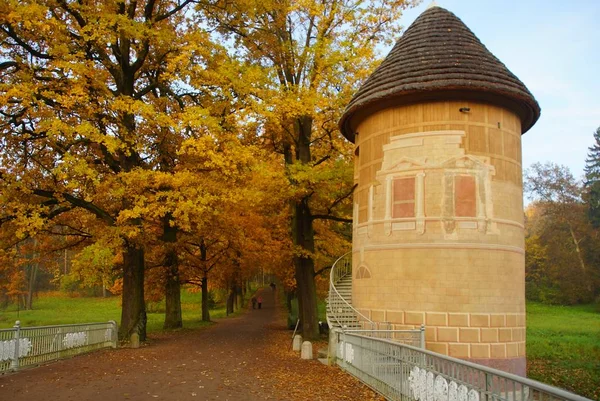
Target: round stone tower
438, 211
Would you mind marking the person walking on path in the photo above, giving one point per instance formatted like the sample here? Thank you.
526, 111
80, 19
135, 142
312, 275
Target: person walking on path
259, 300
253, 302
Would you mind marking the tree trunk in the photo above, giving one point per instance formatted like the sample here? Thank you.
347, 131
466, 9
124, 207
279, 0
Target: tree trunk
65, 262
580, 258
229, 303
205, 310
239, 298
577, 249
288, 300
307, 298
133, 311
304, 236
173, 318
33, 269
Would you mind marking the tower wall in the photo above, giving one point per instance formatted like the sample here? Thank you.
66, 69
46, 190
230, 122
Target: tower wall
438, 227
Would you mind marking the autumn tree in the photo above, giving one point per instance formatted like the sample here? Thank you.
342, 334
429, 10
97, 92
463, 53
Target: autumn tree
245, 232
32, 260
18, 274
313, 56
561, 194
560, 241
201, 258
592, 180
97, 98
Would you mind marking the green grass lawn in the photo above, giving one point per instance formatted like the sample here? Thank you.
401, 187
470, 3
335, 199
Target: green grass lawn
293, 314
56, 308
321, 309
563, 347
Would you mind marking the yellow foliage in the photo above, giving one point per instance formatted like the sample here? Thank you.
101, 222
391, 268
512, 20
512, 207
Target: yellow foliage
218, 118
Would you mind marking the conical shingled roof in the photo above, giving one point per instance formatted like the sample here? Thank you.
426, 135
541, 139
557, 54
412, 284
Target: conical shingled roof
439, 58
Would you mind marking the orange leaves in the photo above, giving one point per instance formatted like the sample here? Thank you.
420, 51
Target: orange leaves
292, 378
16, 283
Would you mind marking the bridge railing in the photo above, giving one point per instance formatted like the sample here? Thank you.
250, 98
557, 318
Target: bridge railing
404, 372
25, 346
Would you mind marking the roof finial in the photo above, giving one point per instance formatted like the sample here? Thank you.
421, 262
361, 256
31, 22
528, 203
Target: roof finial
433, 4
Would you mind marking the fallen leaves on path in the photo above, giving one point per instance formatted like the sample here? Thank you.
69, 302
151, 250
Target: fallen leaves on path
294, 379
246, 359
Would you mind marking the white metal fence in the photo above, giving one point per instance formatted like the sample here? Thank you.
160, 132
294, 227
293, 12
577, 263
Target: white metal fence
26, 346
404, 372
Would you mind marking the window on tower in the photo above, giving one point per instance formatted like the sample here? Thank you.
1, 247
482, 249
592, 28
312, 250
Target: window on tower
465, 197
403, 201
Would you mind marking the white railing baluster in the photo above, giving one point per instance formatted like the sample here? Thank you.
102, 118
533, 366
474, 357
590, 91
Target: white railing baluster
401, 371
15, 357
27, 346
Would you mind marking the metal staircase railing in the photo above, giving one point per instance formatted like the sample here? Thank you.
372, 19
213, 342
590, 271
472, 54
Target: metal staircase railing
340, 313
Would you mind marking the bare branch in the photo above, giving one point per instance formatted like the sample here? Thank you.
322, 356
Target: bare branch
173, 11
323, 159
8, 64
13, 35
328, 216
318, 272
78, 202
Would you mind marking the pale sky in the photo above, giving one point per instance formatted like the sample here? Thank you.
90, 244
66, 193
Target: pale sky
554, 48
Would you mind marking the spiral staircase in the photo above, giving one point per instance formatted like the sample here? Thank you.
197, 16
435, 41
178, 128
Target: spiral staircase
340, 312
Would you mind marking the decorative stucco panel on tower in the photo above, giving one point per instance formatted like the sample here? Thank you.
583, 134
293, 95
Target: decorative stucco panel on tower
434, 159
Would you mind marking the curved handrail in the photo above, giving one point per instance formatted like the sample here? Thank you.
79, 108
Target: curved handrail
333, 290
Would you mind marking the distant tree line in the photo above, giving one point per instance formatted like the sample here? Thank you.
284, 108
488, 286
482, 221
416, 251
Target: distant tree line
562, 232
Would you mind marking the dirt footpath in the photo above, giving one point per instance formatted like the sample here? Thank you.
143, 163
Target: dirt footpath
244, 358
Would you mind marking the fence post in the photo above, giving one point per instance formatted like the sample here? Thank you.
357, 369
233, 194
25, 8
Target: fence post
344, 349
489, 387
14, 365
422, 336
115, 334
61, 337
